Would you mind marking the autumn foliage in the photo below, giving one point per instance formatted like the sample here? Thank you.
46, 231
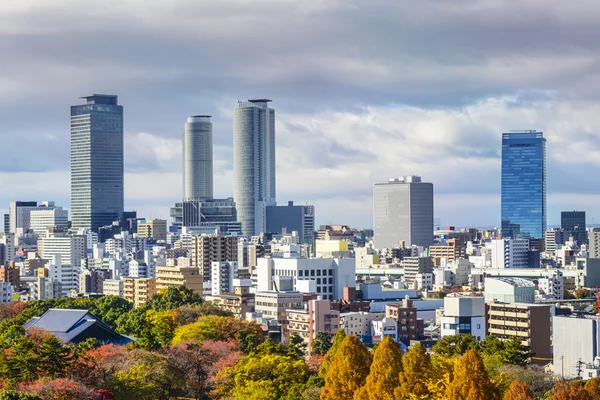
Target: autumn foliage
348, 371
518, 391
384, 373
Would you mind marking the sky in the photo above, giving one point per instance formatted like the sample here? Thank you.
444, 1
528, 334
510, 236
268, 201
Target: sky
364, 90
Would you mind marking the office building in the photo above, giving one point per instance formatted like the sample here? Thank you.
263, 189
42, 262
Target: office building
463, 315
96, 162
529, 322
403, 212
207, 216
509, 290
554, 238
138, 290
71, 249
510, 253
208, 249
6, 223
594, 242
414, 266
253, 163
198, 159
112, 287
18, 216
574, 223
292, 218
575, 344
48, 217
523, 198
152, 228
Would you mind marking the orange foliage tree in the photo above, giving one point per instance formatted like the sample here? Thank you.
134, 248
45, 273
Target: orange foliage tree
348, 371
471, 381
385, 369
416, 373
569, 391
518, 391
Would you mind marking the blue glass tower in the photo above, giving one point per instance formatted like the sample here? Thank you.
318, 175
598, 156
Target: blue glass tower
523, 184
97, 191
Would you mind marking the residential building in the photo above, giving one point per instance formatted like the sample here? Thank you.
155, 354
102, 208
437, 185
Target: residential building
208, 249
72, 249
10, 274
359, 323
403, 211
176, 276
113, 287
509, 290
529, 322
318, 317
240, 300
6, 292
92, 281
594, 242
451, 252
335, 232
253, 163
152, 228
414, 266
329, 275
138, 290
511, 253
409, 327
332, 248
223, 273
198, 158
554, 238
575, 344
574, 223
463, 315
552, 287
292, 218
274, 305
382, 328
523, 196
97, 191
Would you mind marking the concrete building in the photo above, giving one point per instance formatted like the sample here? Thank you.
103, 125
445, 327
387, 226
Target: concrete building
359, 323
152, 228
198, 158
112, 287
552, 287
575, 344
414, 266
292, 218
6, 292
529, 322
223, 274
554, 238
10, 274
274, 305
332, 248
316, 318
138, 290
509, 290
463, 315
382, 328
71, 249
574, 223
18, 216
594, 242
48, 217
208, 249
451, 252
97, 177
204, 217
176, 276
240, 300
331, 275
409, 327
92, 281
403, 211
510, 253
253, 164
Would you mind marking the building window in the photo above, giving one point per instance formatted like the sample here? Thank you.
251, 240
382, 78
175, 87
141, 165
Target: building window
318, 272
300, 273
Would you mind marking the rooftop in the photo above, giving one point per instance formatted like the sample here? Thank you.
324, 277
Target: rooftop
96, 98
518, 282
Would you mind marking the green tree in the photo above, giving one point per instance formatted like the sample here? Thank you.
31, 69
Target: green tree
321, 344
54, 357
12, 395
348, 371
582, 293
471, 381
518, 391
110, 308
384, 373
416, 373
212, 327
297, 346
171, 298
337, 341
450, 346
515, 353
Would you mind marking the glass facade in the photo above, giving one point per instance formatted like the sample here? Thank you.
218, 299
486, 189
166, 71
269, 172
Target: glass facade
97, 192
523, 184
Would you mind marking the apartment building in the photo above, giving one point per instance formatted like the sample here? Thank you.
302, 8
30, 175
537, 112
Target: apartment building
414, 266
138, 290
453, 251
317, 317
275, 305
176, 276
405, 313
209, 249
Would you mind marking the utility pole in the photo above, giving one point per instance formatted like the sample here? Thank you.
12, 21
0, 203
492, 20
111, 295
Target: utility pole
562, 366
579, 364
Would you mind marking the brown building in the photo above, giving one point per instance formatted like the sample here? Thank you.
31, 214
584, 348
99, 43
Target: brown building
206, 249
452, 252
138, 290
349, 303
239, 302
10, 274
152, 228
529, 322
409, 326
176, 276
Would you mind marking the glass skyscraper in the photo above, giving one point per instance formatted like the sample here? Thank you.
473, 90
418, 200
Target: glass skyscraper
96, 162
253, 163
523, 184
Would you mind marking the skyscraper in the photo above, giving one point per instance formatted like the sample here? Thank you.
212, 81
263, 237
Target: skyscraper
523, 184
96, 162
253, 163
198, 158
403, 211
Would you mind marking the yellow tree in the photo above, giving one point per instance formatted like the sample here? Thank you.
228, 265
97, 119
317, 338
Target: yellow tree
471, 381
348, 371
337, 341
518, 391
416, 372
593, 388
385, 369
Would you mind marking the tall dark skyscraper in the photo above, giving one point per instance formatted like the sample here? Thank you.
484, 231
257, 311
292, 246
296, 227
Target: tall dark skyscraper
97, 193
523, 184
573, 222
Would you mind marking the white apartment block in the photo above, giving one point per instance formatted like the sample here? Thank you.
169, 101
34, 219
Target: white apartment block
552, 287
359, 323
330, 274
222, 275
423, 281
510, 253
71, 249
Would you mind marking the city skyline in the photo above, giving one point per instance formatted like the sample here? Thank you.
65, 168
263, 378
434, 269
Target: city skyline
346, 118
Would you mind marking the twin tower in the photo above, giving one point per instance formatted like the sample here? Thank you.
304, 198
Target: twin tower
253, 162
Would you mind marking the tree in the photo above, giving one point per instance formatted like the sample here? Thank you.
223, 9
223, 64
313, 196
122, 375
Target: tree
337, 341
189, 313
59, 389
593, 388
491, 345
297, 347
415, 374
515, 353
534, 376
450, 346
12, 395
212, 327
321, 344
348, 371
384, 373
582, 293
518, 391
54, 357
171, 298
471, 381
110, 308
569, 391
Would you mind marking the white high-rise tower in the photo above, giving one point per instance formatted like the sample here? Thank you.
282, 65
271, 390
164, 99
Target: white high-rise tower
198, 159
253, 163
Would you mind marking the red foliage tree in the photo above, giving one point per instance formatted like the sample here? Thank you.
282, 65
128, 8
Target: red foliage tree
96, 366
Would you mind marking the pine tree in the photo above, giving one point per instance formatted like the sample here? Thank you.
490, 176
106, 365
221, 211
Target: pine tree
471, 381
416, 372
518, 391
348, 371
385, 369
337, 341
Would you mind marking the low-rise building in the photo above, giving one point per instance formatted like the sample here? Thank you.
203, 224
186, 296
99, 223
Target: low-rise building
382, 328
275, 305
240, 301
463, 315
359, 323
6, 292
176, 276
316, 318
509, 290
405, 313
575, 345
112, 287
